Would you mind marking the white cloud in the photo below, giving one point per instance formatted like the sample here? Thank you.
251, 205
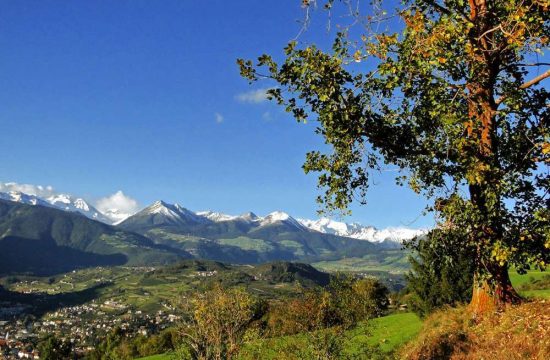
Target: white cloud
115, 207
119, 201
253, 96
37, 190
266, 116
219, 118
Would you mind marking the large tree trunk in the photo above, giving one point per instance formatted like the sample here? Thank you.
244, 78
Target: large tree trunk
492, 288
493, 294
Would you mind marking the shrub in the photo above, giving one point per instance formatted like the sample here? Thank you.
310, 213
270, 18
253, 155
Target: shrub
344, 302
219, 322
438, 277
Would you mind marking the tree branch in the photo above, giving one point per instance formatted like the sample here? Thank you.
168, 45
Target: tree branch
444, 10
535, 80
527, 84
535, 64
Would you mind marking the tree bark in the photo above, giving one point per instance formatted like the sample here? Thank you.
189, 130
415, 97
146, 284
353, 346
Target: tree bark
495, 293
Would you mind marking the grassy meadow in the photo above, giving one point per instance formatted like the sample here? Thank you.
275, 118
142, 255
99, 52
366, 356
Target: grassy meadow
388, 332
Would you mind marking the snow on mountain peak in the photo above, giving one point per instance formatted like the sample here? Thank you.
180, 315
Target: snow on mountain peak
81, 204
249, 216
216, 216
59, 201
18, 196
113, 212
160, 207
326, 225
361, 232
279, 216
175, 212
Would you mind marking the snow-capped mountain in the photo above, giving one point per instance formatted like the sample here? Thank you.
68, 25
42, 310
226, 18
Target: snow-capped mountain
216, 216
323, 225
358, 231
22, 198
280, 217
221, 217
59, 201
69, 203
248, 217
162, 212
272, 218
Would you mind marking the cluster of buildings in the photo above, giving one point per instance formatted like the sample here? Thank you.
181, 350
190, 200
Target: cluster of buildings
82, 326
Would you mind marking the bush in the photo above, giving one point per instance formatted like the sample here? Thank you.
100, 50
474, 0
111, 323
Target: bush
439, 277
220, 320
344, 302
118, 346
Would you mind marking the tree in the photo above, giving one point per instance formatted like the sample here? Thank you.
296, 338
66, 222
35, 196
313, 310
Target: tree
220, 320
52, 348
450, 92
108, 348
373, 297
437, 277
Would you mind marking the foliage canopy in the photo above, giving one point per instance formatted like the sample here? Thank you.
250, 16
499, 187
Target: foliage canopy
449, 92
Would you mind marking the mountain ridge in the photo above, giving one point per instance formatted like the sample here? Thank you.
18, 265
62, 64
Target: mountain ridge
44, 240
241, 239
114, 216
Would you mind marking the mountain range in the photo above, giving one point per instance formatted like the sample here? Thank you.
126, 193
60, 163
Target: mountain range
44, 240
242, 239
59, 233
358, 231
114, 216
58, 201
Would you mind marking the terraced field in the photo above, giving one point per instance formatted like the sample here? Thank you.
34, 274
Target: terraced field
393, 261
152, 289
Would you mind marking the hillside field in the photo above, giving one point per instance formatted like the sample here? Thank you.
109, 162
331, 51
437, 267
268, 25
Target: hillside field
389, 332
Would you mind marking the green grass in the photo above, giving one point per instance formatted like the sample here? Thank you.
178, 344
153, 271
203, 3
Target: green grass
518, 280
247, 243
394, 330
392, 261
388, 332
158, 357
541, 294
531, 276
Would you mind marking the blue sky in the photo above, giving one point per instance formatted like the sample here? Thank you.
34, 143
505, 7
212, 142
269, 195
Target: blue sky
145, 97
